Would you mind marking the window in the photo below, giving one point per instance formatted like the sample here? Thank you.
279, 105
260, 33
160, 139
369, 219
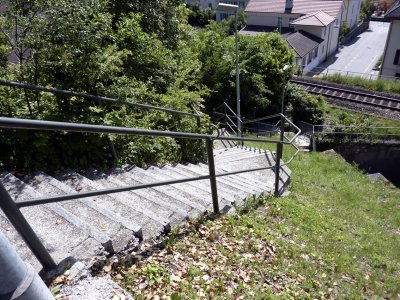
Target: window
310, 57
303, 62
397, 57
397, 75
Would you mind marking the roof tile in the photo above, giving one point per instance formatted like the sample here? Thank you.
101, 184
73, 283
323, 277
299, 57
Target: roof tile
331, 7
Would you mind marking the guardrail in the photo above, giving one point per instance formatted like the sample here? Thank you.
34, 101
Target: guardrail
99, 100
325, 72
225, 116
342, 133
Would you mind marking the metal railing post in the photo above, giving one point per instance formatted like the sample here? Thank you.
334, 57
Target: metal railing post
211, 169
17, 279
19, 222
279, 150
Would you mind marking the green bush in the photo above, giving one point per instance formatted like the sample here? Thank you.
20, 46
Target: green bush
344, 29
121, 51
302, 106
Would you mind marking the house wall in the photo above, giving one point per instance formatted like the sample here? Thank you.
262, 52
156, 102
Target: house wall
270, 19
330, 34
392, 45
351, 12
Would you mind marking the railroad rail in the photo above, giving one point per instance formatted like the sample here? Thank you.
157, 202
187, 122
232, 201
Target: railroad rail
346, 94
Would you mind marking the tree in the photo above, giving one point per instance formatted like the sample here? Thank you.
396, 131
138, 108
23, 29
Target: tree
367, 8
161, 17
200, 17
302, 106
261, 57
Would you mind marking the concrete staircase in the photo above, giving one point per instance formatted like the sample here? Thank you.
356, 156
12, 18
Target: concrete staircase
93, 228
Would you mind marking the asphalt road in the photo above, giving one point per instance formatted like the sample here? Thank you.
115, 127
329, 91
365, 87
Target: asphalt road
361, 54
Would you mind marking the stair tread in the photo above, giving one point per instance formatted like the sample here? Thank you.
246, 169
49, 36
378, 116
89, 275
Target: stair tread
118, 204
174, 198
86, 210
134, 200
156, 197
61, 236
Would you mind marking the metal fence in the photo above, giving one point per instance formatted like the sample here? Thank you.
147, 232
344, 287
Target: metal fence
349, 134
325, 72
12, 208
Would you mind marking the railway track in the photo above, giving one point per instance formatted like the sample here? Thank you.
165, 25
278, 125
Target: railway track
344, 93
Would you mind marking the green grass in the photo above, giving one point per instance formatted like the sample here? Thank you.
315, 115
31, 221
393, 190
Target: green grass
376, 85
337, 236
338, 116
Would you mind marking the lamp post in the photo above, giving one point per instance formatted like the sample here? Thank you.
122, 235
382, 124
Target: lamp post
286, 71
235, 9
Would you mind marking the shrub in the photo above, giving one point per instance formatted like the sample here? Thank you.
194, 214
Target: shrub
302, 106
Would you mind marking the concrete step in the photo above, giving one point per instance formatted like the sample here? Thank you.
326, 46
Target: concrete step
60, 235
227, 151
144, 206
99, 222
247, 178
255, 161
244, 156
178, 212
143, 222
180, 190
199, 188
222, 183
232, 180
223, 191
202, 186
193, 208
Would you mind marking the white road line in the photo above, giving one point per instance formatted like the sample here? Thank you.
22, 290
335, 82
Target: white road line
372, 62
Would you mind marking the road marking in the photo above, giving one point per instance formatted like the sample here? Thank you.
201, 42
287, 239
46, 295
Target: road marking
372, 62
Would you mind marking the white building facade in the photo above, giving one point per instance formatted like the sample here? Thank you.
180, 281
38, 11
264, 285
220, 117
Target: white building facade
391, 57
351, 12
311, 27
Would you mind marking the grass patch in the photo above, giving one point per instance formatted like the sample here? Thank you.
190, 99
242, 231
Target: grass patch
336, 236
340, 116
376, 85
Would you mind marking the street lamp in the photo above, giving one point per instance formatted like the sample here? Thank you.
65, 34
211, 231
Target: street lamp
235, 9
286, 72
